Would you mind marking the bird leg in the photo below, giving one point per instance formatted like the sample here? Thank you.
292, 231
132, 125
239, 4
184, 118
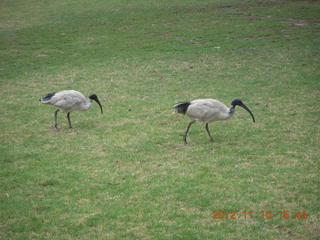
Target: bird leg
207, 128
56, 119
68, 116
186, 132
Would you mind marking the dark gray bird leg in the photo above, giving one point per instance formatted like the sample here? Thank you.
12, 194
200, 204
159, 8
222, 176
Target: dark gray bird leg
186, 133
68, 116
207, 128
56, 118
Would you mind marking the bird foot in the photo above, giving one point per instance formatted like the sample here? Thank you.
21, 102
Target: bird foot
184, 135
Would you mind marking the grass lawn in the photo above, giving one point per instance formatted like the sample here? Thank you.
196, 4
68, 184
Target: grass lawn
126, 174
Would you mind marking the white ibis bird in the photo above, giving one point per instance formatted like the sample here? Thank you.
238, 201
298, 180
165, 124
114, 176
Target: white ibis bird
68, 101
207, 110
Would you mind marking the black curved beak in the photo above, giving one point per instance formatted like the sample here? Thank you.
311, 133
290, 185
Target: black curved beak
97, 100
248, 110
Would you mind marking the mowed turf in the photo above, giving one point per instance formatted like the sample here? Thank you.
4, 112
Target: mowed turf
126, 174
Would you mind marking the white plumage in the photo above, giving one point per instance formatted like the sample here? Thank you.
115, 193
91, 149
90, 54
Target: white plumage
68, 101
207, 110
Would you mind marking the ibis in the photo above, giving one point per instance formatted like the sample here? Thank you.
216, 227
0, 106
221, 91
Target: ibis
68, 101
207, 111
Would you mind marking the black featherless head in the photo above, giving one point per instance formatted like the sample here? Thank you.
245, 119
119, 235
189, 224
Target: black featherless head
95, 98
238, 102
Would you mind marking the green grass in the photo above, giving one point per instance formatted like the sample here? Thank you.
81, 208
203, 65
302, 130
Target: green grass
126, 174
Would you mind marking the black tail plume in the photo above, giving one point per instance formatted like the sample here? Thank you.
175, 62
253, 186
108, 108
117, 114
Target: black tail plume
47, 97
181, 107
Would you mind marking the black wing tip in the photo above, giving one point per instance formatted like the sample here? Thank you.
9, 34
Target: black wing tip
181, 107
47, 97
